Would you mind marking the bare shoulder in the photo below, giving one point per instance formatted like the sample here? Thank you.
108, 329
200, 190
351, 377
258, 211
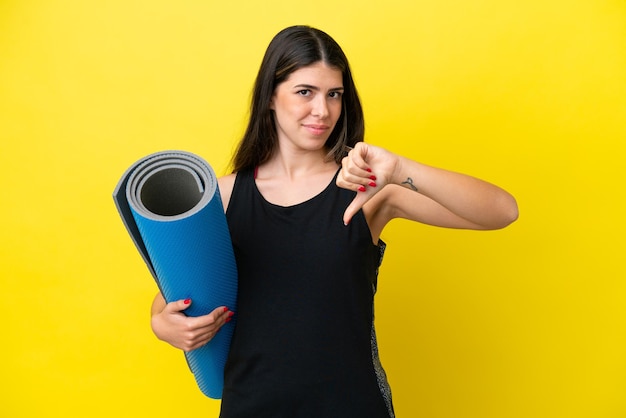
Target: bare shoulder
226, 184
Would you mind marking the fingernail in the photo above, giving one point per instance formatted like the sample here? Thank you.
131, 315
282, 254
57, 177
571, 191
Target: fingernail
372, 177
227, 320
187, 301
372, 184
369, 170
230, 314
225, 308
361, 188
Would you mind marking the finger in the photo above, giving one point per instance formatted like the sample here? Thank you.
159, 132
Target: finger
178, 305
355, 179
202, 335
357, 203
215, 319
221, 315
200, 340
197, 344
357, 158
361, 156
211, 329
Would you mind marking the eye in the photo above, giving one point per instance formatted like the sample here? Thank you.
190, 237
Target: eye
335, 94
305, 92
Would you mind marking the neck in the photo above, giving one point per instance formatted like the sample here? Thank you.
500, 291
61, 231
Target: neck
296, 164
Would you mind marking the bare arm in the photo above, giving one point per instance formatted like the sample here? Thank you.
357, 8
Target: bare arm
404, 188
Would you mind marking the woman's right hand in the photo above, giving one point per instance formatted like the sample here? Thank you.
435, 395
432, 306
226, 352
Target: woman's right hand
187, 333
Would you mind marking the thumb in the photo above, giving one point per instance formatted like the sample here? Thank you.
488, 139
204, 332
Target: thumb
179, 305
357, 203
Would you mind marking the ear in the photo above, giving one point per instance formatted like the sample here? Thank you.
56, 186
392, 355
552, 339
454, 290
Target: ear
272, 107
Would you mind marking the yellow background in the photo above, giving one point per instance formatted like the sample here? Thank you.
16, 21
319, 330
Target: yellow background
526, 322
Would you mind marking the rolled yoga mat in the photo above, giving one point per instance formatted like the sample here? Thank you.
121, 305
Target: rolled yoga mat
171, 206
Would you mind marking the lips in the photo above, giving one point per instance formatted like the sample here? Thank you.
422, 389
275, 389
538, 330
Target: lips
316, 129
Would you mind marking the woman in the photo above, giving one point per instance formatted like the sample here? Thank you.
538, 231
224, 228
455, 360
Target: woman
306, 204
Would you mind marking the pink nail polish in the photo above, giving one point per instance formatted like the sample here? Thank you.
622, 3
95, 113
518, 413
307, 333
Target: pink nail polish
361, 188
372, 184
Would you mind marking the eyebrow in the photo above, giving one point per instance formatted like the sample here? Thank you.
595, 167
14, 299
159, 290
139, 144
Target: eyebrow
310, 87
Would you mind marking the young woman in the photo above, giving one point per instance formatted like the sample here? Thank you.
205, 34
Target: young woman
306, 204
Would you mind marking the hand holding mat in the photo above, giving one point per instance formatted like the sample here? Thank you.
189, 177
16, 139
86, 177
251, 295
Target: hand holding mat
170, 204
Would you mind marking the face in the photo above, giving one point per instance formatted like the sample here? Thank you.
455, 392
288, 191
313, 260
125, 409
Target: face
307, 106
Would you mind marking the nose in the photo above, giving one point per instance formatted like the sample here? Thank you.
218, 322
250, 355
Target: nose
320, 107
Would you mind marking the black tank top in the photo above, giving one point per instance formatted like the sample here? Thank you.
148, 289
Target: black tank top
304, 345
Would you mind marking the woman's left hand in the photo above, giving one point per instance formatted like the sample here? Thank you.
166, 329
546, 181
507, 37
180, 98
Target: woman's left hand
366, 170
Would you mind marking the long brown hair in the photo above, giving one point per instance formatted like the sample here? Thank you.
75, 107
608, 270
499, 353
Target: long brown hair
293, 48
